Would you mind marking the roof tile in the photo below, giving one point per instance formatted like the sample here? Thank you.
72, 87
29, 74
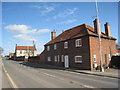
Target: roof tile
25, 48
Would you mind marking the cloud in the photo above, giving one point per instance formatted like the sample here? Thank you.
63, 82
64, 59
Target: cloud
43, 30
68, 21
24, 37
19, 29
65, 13
24, 29
44, 9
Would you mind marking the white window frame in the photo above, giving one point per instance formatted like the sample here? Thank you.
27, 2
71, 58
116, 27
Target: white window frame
78, 61
94, 58
62, 58
77, 42
66, 45
49, 59
55, 46
48, 48
55, 58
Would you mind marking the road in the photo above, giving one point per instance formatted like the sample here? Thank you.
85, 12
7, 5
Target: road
27, 77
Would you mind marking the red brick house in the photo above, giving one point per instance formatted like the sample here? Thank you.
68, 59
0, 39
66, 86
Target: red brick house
78, 47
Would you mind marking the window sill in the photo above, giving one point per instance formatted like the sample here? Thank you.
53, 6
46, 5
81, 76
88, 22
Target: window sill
78, 46
78, 62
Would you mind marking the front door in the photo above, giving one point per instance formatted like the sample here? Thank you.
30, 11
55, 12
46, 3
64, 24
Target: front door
66, 61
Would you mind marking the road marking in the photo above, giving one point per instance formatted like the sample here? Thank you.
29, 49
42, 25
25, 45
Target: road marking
9, 77
69, 81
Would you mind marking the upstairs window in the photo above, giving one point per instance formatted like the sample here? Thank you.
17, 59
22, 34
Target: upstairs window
48, 48
65, 44
20, 51
55, 46
78, 59
49, 59
33, 52
78, 42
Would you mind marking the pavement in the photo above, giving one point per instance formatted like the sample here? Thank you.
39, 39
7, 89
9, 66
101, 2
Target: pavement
112, 73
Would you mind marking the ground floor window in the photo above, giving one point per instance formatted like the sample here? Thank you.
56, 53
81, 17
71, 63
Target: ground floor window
94, 58
78, 59
55, 58
109, 57
49, 59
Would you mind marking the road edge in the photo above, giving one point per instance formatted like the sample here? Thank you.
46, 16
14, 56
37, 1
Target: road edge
9, 77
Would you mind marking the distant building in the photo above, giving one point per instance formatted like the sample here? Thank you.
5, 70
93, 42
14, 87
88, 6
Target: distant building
118, 52
78, 47
25, 51
11, 55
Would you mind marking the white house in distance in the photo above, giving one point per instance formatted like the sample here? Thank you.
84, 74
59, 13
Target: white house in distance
27, 51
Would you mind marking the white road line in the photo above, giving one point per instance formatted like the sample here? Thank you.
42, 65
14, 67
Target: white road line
76, 83
9, 77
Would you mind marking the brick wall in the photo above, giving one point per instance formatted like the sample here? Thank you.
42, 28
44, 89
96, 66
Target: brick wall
71, 51
108, 47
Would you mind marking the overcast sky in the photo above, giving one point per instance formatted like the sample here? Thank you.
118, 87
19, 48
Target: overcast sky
23, 22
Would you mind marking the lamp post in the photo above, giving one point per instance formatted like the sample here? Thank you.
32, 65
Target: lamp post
99, 37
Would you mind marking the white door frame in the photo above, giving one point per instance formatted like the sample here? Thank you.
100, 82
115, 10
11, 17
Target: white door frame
66, 61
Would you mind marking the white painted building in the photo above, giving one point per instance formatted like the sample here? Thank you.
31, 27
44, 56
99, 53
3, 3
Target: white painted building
25, 51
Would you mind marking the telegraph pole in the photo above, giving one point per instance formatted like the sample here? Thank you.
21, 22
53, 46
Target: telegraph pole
99, 36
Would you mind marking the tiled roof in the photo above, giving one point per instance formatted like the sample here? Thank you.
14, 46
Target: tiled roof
75, 32
25, 48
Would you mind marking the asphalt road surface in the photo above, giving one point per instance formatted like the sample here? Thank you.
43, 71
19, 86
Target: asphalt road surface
22, 76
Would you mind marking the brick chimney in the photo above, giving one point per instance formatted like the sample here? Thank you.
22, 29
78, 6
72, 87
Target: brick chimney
96, 26
107, 29
53, 34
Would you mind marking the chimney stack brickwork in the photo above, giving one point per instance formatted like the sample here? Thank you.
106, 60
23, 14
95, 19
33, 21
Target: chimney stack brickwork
53, 34
96, 26
107, 29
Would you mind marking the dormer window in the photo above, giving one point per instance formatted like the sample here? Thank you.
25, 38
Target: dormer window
55, 46
78, 42
65, 44
48, 48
